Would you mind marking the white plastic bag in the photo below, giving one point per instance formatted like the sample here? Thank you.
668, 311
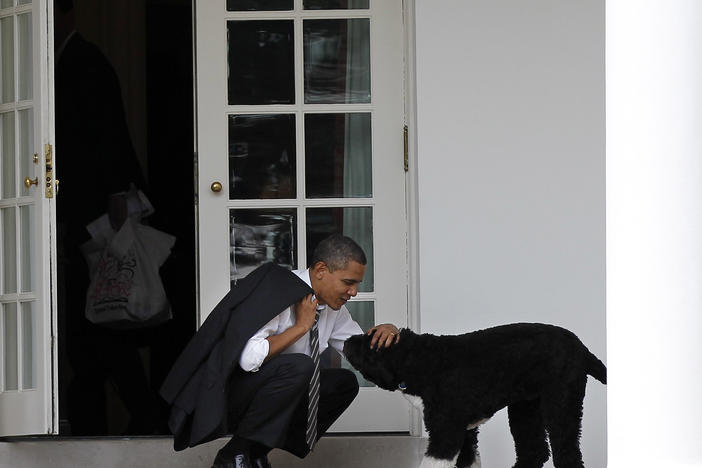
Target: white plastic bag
125, 287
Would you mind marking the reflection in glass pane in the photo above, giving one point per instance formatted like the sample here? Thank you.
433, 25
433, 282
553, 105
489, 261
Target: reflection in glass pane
364, 314
6, 3
28, 331
24, 29
9, 175
10, 339
335, 4
259, 5
260, 236
355, 222
26, 251
262, 156
7, 58
337, 61
9, 250
338, 155
26, 137
260, 62
24, 2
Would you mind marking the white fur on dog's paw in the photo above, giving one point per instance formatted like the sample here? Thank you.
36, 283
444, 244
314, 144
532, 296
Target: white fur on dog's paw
431, 462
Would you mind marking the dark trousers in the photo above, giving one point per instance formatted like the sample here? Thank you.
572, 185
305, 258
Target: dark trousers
270, 406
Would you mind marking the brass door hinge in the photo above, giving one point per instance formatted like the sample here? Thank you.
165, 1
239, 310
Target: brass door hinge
406, 149
49, 179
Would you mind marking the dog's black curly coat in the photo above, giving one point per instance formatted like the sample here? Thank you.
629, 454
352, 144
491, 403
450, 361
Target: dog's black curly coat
537, 371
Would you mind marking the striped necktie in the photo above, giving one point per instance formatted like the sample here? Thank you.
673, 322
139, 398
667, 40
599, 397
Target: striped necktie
313, 401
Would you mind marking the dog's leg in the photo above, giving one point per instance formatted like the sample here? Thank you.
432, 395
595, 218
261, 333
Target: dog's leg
469, 456
529, 433
563, 412
445, 438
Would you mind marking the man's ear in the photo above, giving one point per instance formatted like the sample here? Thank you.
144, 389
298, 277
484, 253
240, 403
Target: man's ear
320, 269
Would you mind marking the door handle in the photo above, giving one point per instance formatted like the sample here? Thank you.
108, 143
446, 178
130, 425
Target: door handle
29, 182
216, 186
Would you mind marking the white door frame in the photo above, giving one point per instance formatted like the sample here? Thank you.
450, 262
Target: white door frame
412, 184
35, 410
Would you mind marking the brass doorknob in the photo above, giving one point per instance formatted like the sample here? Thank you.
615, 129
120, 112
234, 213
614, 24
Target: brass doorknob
216, 187
29, 182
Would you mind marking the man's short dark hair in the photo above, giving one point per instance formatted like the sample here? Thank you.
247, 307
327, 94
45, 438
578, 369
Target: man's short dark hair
64, 5
336, 251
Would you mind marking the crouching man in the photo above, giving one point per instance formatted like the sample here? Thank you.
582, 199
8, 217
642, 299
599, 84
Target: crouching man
253, 367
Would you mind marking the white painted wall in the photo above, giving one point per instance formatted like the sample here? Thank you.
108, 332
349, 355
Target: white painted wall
511, 178
654, 232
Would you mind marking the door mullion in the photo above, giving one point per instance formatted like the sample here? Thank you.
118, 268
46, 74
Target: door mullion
300, 136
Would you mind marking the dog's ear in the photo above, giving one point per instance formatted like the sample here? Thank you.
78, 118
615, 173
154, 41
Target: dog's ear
380, 367
381, 375
375, 365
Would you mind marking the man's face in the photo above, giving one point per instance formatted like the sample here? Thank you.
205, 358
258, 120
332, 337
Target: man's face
337, 287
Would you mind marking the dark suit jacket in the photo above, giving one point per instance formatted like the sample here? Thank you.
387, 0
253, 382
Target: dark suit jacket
94, 152
197, 385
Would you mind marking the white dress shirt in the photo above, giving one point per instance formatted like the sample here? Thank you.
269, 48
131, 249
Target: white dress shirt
335, 326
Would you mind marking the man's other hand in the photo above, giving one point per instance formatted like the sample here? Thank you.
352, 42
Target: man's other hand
384, 335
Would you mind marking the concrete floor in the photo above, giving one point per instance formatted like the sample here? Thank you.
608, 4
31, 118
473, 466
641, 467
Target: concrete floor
386, 451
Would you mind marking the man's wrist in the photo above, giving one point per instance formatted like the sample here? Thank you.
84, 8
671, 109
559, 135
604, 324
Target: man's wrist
299, 329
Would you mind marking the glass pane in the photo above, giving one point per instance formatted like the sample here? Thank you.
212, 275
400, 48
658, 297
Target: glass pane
261, 63
9, 250
28, 331
24, 29
26, 251
10, 339
9, 175
24, 2
259, 5
337, 61
338, 155
354, 222
262, 156
364, 314
260, 236
335, 4
26, 137
5, 3
7, 56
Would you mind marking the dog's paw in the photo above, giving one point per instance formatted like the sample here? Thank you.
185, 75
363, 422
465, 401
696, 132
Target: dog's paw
431, 462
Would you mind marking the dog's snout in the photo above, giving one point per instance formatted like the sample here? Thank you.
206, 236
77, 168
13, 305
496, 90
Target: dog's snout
348, 346
351, 346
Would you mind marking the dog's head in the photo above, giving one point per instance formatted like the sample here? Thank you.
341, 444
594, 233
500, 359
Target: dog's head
380, 366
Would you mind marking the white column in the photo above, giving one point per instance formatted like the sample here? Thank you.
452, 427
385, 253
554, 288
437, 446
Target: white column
654, 232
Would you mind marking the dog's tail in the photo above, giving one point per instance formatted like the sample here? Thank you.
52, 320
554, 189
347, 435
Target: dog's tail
596, 369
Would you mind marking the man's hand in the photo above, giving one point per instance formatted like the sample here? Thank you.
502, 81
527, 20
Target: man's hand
384, 335
305, 312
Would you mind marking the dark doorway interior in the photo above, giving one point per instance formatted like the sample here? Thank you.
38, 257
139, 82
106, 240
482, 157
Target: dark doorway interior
143, 134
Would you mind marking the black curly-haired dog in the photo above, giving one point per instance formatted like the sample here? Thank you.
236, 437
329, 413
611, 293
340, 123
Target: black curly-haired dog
537, 371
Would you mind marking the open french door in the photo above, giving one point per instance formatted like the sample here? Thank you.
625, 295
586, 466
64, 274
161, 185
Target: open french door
28, 396
300, 117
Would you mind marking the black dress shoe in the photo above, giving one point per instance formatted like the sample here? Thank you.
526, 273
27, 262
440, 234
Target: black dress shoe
240, 460
261, 462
